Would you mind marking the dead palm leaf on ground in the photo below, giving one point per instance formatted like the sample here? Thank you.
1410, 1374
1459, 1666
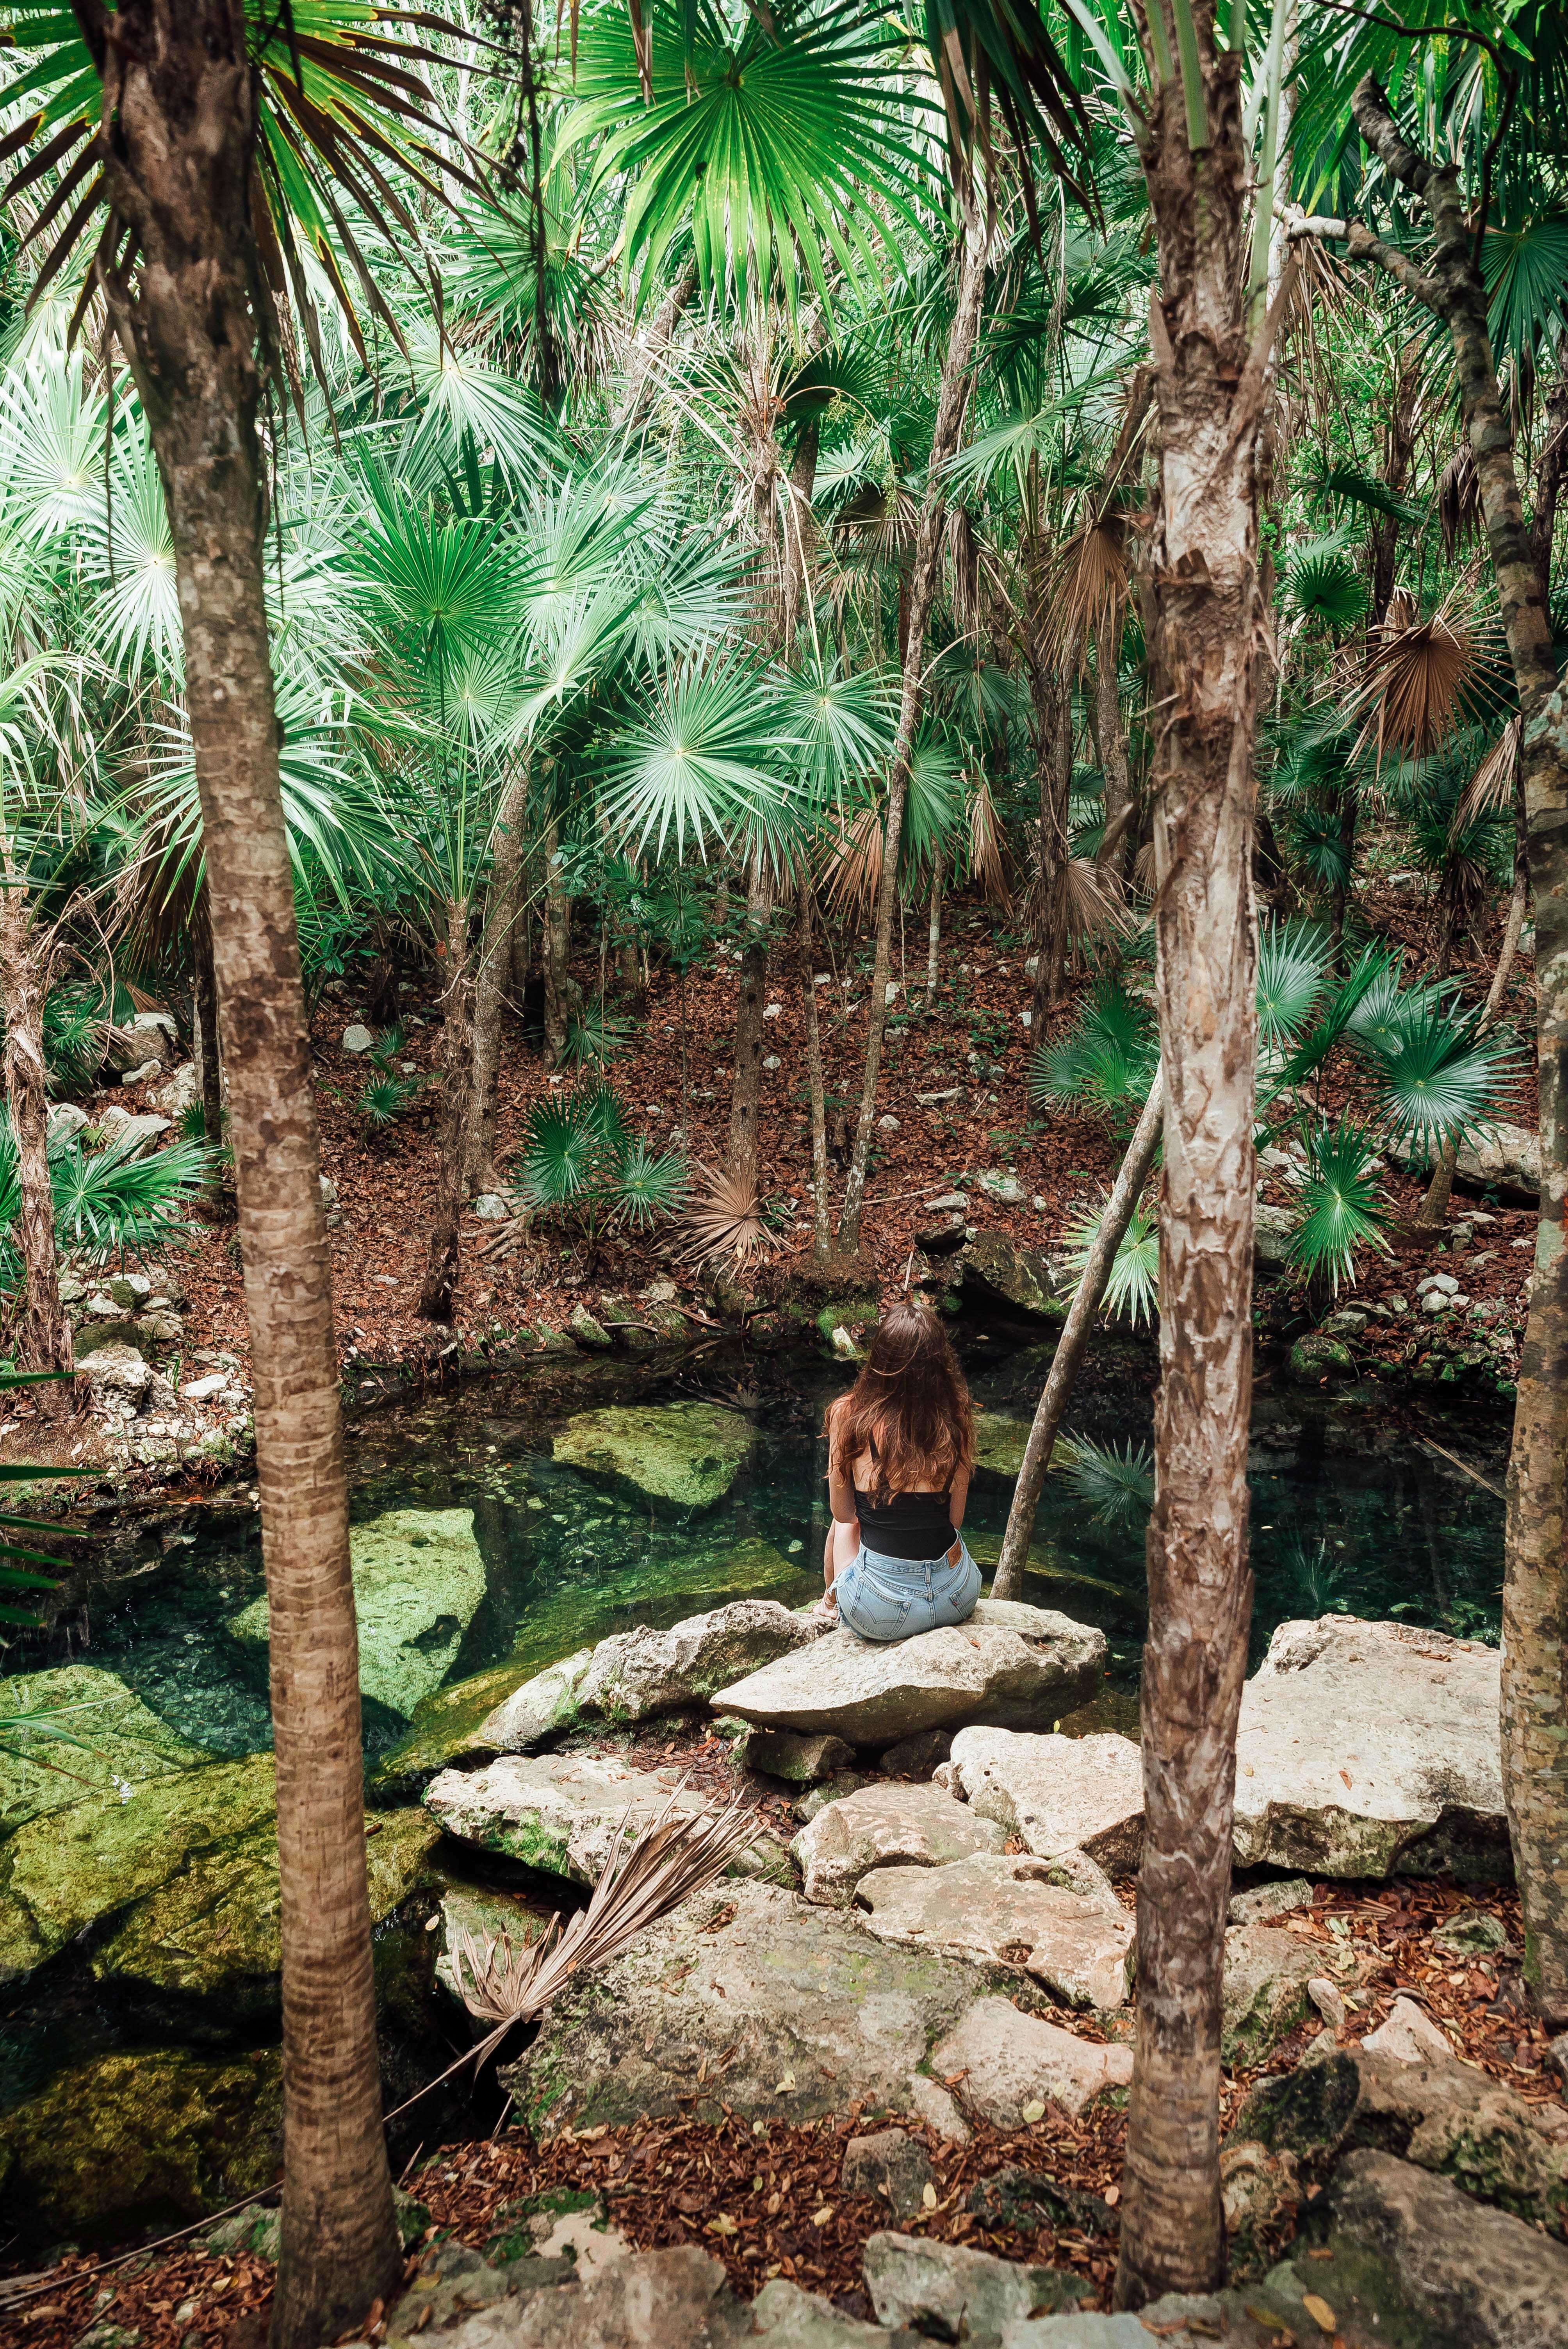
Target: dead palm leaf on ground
647, 1874
726, 1219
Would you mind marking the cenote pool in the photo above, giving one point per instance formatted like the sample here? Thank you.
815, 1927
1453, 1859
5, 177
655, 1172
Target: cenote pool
140, 2066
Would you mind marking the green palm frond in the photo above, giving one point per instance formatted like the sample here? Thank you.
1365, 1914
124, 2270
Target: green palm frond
757, 135
1132, 1286
1323, 584
649, 1185
594, 1037
1106, 1062
1117, 1487
1525, 271
384, 1099
105, 1200
1312, 836
1340, 1204
1334, 481
708, 755
1438, 1079
1292, 963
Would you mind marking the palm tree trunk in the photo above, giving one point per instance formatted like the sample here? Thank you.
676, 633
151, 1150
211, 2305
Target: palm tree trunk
1125, 1193
746, 1094
40, 1336
1207, 615
1112, 740
557, 949
821, 1225
1435, 1205
951, 399
1549, 480
934, 929
177, 144
501, 902
442, 1272
645, 358
1535, 1578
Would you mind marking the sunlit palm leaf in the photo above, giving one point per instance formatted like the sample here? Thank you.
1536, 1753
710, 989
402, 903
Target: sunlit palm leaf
1440, 1080
707, 755
1132, 1285
1292, 961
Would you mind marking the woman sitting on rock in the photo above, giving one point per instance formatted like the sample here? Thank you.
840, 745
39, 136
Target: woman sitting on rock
900, 1449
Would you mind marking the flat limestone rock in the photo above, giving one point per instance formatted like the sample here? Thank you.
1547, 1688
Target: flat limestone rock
1367, 1748
128, 1743
995, 1910
684, 1456
1265, 1993
635, 1675
949, 2293
1011, 1666
542, 1707
560, 1813
1056, 1794
749, 1997
419, 1579
1012, 2062
884, 1825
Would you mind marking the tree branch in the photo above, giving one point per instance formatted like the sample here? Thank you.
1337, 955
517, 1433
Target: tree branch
1365, 246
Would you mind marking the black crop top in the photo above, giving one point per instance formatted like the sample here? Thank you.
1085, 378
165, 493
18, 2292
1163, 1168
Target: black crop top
906, 1524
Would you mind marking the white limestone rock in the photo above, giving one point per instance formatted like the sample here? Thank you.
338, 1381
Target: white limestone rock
888, 1824
1007, 2064
1056, 1794
1058, 1920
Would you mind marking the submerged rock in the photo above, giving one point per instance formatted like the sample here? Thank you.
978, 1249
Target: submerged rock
887, 1823
124, 1744
1011, 1665
142, 2133
995, 1910
1056, 1794
999, 1442
684, 1455
751, 1996
419, 1578
1365, 1748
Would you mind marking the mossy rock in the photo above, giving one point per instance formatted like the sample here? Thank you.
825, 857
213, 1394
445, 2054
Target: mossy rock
127, 1742
1316, 1357
419, 1578
999, 1442
681, 1456
154, 2133
844, 1325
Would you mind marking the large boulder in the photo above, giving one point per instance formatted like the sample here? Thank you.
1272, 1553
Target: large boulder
543, 1707
996, 1270
1010, 1665
138, 2136
1264, 1992
1505, 1159
684, 1456
890, 1824
946, 2291
750, 1997
123, 1744
1461, 2274
635, 1674
419, 1578
560, 1813
1010, 2065
1062, 1924
1056, 1794
1367, 1748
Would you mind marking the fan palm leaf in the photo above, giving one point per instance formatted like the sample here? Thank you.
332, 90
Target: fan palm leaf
1116, 1487
1106, 1061
1132, 1285
706, 756
1339, 1203
1439, 1079
1293, 964
1423, 676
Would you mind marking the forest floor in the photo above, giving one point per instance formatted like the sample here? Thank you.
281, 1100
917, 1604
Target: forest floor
522, 1282
765, 2197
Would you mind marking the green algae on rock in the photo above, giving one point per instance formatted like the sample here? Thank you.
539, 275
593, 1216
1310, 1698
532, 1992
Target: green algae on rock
684, 1455
121, 1741
150, 2131
419, 1578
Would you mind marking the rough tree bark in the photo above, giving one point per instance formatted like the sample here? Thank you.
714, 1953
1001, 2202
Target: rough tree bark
558, 983
1112, 739
746, 1094
1209, 617
1125, 1191
495, 960
40, 1335
952, 395
1535, 1580
444, 1266
177, 145
800, 533
821, 1225
204, 990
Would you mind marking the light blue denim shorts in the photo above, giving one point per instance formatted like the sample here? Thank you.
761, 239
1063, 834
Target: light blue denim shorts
893, 1598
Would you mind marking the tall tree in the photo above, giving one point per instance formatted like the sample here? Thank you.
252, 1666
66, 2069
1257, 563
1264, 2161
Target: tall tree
1449, 283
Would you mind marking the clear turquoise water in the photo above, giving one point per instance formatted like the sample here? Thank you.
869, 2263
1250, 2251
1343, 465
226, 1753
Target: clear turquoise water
1352, 1511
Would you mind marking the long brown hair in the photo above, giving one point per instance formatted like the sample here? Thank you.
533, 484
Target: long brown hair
910, 1396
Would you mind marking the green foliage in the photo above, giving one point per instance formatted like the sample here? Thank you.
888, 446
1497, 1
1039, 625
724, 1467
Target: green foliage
384, 1099
1106, 1062
1340, 1208
1323, 584
106, 1201
580, 1163
19, 1568
1132, 1286
1292, 963
1437, 1079
594, 1037
1116, 1487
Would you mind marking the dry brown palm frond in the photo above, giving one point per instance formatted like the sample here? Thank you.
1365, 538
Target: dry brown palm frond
725, 1221
1459, 500
962, 553
1078, 894
854, 867
1089, 581
988, 847
876, 522
678, 1853
1420, 675
1490, 790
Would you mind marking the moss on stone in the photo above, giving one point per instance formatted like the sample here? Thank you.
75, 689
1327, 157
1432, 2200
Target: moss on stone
121, 1739
681, 1456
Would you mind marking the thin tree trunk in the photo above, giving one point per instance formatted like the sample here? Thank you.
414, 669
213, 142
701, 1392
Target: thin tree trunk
1126, 1191
746, 1094
501, 901
800, 533
1208, 619
557, 949
934, 930
1112, 740
950, 397
821, 1224
176, 155
40, 1335
1435, 1205
442, 1270
1549, 480
204, 990
1535, 1581
644, 358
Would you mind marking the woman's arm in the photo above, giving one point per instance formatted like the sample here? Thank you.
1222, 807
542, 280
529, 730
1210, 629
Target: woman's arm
840, 1491
958, 1494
